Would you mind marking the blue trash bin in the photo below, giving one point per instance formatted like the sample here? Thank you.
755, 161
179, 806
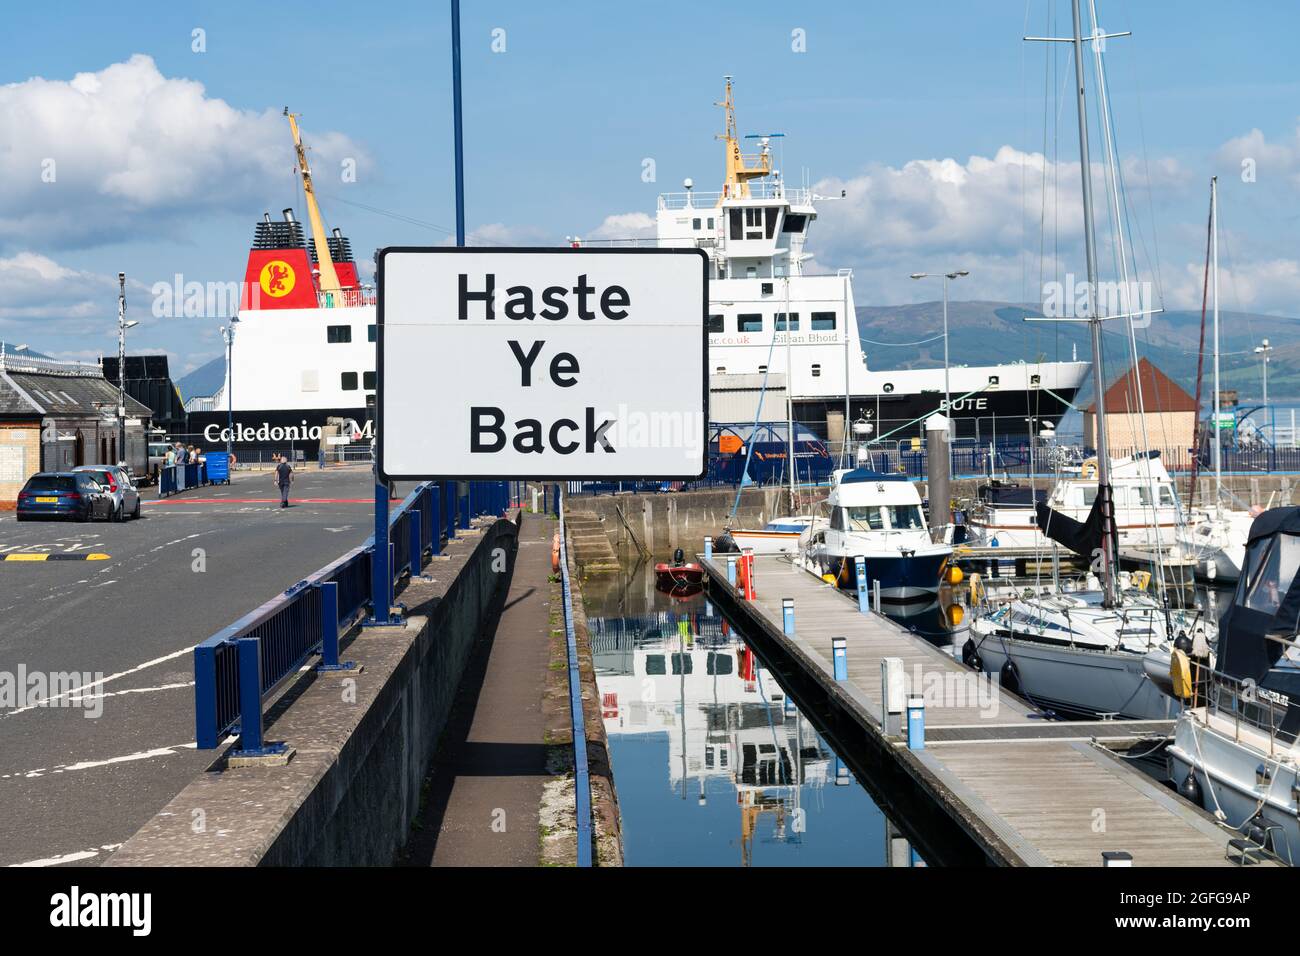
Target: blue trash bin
218, 467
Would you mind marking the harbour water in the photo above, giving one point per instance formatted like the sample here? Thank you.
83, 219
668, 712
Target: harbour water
714, 763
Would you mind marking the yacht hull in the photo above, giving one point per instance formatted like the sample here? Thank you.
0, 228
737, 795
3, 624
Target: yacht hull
902, 577
1076, 682
1226, 771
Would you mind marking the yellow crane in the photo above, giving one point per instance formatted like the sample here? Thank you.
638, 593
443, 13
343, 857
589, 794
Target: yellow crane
329, 280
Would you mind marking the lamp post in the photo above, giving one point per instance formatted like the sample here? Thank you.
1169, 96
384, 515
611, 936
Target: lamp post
228, 336
1262, 351
947, 391
122, 326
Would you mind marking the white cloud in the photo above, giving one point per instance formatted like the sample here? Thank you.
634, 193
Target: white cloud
33, 286
129, 150
624, 225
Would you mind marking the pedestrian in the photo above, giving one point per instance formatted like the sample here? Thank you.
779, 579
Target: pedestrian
284, 478
182, 456
170, 458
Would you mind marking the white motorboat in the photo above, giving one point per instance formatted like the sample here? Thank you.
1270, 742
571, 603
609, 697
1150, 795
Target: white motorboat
779, 536
876, 516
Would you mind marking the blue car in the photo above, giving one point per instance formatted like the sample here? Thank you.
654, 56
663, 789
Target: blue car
64, 494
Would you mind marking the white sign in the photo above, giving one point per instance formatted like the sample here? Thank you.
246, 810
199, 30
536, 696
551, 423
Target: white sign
542, 363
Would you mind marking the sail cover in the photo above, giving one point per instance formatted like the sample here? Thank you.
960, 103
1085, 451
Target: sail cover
1081, 537
1257, 634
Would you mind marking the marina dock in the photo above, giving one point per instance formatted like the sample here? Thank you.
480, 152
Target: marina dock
1026, 790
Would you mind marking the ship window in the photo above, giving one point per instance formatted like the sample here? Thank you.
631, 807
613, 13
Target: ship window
866, 519
1089, 496
905, 517
368, 380
794, 222
716, 324
722, 370
773, 214
762, 370
655, 665
823, 321
1277, 566
737, 229
1166, 496
794, 321
710, 222
338, 333
695, 224
310, 380
372, 333
816, 370
749, 322
349, 381
682, 664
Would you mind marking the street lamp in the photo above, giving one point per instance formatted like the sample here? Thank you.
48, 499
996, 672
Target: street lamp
122, 326
947, 391
1263, 350
228, 336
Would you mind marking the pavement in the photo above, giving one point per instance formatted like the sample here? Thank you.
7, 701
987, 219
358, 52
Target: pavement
485, 792
76, 781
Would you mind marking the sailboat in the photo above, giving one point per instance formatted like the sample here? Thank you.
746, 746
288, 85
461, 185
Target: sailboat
1217, 539
1105, 651
1236, 753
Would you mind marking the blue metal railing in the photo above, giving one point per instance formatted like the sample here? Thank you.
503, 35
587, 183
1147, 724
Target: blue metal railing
582, 772
179, 477
288, 629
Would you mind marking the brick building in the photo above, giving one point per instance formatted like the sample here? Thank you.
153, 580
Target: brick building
1169, 414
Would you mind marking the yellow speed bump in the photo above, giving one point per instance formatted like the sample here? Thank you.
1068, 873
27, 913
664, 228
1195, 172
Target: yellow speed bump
32, 556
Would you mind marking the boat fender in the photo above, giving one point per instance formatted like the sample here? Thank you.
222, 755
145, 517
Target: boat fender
1183, 643
1256, 832
1190, 788
954, 574
976, 589
1010, 677
679, 557
1141, 579
969, 655
828, 578
1180, 674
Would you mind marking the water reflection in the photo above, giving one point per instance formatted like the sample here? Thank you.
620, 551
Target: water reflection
713, 762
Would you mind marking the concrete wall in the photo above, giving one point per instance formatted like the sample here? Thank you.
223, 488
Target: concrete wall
666, 521
353, 787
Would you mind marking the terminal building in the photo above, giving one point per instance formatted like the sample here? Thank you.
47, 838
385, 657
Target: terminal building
56, 415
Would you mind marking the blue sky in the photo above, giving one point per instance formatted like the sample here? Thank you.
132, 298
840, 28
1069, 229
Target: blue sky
158, 177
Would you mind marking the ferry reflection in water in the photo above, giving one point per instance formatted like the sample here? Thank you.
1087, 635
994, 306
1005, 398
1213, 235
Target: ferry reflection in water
713, 763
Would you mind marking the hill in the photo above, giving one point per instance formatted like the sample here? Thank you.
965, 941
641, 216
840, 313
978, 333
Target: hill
985, 333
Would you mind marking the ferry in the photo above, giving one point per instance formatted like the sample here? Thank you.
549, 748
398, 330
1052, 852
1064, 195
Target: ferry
303, 346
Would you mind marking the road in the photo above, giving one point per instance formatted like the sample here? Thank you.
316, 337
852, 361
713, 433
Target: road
77, 780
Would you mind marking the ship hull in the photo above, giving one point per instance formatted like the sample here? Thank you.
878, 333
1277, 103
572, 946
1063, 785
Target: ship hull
284, 431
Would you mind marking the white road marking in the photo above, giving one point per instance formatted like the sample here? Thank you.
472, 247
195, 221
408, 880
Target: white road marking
101, 681
69, 857
109, 761
132, 690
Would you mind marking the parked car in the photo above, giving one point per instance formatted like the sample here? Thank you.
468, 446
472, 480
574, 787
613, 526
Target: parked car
64, 494
118, 481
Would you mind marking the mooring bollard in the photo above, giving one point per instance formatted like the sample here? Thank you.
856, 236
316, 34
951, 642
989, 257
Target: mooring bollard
840, 657
787, 616
875, 587
891, 692
708, 547
860, 573
916, 722
731, 570
750, 591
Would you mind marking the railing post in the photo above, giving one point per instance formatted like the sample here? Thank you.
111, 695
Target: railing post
462, 504
329, 629
449, 508
731, 570
205, 696
435, 511
250, 702
381, 574
417, 544
787, 616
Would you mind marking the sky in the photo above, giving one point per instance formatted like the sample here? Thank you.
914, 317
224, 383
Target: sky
148, 138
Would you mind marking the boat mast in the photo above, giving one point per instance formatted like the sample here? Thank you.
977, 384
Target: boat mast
1214, 280
789, 387
329, 280
1094, 324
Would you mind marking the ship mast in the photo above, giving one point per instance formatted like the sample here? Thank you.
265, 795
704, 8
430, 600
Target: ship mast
329, 280
736, 184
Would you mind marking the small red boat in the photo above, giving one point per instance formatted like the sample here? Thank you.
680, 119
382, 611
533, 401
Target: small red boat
673, 577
